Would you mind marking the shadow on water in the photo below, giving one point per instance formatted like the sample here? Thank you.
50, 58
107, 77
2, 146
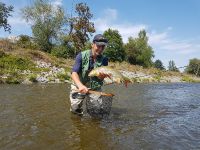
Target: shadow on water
143, 116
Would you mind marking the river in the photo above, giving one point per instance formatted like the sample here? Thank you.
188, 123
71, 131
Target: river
143, 116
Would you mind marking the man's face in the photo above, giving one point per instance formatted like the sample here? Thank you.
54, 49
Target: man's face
97, 49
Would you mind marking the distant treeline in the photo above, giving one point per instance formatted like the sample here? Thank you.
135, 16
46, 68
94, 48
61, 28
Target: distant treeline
65, 34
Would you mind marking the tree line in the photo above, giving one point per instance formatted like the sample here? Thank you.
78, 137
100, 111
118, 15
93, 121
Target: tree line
64, 35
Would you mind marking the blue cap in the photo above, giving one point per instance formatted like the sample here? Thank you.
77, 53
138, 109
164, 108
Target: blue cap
99, 39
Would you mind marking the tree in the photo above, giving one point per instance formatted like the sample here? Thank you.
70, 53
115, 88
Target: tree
65, 41
114, 50
194, 67
138, 51
4, 14
46, 21
80, 27
159, 65
172, 66
131, 51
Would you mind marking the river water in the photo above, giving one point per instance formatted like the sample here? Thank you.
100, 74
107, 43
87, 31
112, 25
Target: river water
143, 116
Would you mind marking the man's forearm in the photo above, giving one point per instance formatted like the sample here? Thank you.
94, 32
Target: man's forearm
82, 88
76, 79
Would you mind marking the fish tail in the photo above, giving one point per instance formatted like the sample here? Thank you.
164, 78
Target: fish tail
126, 82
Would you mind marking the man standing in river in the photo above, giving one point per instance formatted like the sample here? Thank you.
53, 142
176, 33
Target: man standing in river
84, 63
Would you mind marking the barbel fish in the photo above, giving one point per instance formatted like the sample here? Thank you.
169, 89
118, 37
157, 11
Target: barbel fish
114, 75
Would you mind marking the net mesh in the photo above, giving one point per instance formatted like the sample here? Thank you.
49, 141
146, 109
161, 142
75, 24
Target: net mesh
98, 106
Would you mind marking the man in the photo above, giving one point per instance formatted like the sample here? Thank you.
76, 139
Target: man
84, 63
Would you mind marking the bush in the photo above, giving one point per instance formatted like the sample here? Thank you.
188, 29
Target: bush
194, 67
26, 42
2, 54
32, 77
187, 79
9, 63
62, 51
12, 80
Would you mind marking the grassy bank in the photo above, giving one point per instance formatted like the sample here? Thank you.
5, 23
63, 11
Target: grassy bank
19, 64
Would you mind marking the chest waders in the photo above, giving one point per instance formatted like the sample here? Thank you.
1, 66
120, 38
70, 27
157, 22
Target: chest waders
94, 103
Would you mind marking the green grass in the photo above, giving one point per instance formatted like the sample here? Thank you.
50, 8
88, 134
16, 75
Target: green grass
12, 66
63, 76
10, 63
13, 78
32, 77
189, 79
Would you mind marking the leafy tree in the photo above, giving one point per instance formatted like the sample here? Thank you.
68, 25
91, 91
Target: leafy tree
60, 51
46, 21
172, 66
4, 14
24, 41
138, 51
159, 65
88, 45
131, 51
114, 51
65, 41
194, 67
80, 27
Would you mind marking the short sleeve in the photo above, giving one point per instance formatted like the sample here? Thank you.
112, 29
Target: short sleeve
77, 65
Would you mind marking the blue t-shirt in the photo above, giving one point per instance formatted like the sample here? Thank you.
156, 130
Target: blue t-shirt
78, 63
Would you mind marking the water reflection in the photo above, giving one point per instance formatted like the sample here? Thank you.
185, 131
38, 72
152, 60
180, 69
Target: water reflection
88, 134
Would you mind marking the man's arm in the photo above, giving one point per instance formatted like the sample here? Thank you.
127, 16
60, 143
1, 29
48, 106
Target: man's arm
75, 77
82, 88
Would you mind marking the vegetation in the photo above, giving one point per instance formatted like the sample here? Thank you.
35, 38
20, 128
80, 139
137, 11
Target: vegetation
172, 66
12, 66
159, 65
26, 41
187, 79
114, 51
63, 76
138, 52
32, 77
5, 12
80, 27
60, 51
10, 63
66, 47
19, 65
194, 67
46, 22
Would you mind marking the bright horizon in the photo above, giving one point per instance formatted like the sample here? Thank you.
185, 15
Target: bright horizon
172, 26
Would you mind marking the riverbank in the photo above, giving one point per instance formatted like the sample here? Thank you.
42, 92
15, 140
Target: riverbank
25, 66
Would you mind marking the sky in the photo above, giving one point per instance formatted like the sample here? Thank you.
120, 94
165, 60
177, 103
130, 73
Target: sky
172, 26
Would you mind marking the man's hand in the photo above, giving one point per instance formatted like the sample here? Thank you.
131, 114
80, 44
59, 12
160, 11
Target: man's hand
83, 89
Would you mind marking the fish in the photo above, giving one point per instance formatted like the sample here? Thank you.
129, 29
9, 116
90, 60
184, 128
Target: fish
114, 75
